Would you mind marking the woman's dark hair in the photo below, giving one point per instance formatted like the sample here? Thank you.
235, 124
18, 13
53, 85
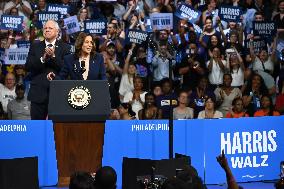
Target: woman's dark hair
234, 102
2, 113
219, 43
80, 41
271, 107
228, 74
263, 89
81, 180
14, 8
105, 178
145, 104
129, 109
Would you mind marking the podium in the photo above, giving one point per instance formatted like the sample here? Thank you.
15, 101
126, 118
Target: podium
78, 110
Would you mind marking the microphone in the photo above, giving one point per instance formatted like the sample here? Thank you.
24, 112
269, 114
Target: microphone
83, 66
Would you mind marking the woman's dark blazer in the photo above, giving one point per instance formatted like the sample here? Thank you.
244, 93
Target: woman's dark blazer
72, 68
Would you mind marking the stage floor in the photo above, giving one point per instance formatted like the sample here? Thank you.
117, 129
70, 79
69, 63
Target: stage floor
252, 185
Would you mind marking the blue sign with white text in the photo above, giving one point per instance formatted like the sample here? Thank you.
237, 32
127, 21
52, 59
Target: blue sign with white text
185, 11
230, 13
98, 26
14, 23
254, 147
62, 9
23, 138
146, 139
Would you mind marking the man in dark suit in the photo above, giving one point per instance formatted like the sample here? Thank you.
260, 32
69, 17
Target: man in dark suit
44, 57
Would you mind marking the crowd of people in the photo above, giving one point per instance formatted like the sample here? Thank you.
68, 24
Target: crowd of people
211, 68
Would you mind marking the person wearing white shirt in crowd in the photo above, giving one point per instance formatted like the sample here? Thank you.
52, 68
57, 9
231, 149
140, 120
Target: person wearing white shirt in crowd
23, 6
136, 97
217, 67
209, 111
7, 92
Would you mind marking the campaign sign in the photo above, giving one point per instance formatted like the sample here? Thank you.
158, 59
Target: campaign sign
62, 9
16, 56
185, 11
72, 25
23, 44
230, 13
23, 138
161, 21
43, 17
254, 147
9, 22
264, 28
136, 36
146, 139
258, 44
98, 26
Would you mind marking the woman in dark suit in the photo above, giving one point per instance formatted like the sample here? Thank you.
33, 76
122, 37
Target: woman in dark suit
85, 64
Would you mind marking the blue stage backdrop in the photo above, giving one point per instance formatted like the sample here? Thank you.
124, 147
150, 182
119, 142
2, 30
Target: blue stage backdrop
24, 138
134, 139
254, 147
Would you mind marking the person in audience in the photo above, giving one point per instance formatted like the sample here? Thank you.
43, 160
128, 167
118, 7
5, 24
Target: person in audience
126, 112
2, 113
105, 178
237, 69
168, 99
226, 94
128, 73
7, 92
217, 67
157, 90
23, 6
81, 180
209, 112
199, 94
182, 111
279, 104
237, 109
255, 89
136, 97
267, 108
19, 108
44, 57
150, 110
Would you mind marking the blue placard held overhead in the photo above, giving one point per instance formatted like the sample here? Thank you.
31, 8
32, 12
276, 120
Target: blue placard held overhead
264, 28
161, 21
14, 23
62, 9
187, 12
23, 44
136, 36
98, 26
230, 13
72, 25
43, 17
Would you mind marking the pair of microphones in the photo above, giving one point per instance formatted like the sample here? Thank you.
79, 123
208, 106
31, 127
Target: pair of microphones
83, 66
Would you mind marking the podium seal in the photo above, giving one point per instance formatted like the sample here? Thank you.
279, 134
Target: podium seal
79, 97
